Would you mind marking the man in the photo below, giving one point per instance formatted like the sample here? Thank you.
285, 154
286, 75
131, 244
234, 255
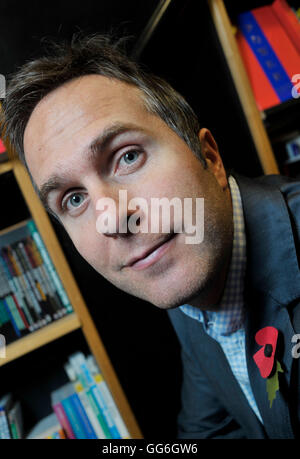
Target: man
88, 123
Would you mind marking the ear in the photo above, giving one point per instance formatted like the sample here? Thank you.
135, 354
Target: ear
211, 153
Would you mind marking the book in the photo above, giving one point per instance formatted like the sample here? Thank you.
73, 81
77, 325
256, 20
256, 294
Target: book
98, 392
278, 39
85, 400
108, 398
36, 284
74, 411
14, 320
263, 91
41, 282
93, 393
30, 296
41, 271
8, 264
4, 429
3, 152
269, 55
29, 288
7, 329
5, 404
17, 287
62, 418
288, 20
51, 269
15, 420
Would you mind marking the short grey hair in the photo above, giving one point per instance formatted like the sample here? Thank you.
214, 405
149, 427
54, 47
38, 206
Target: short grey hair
94, 54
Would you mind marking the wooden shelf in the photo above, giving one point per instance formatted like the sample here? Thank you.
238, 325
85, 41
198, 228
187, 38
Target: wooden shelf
87, 325
6, 167
243, 87
8, 229
41, 337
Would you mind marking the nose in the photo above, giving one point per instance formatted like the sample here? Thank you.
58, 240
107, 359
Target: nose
113, 215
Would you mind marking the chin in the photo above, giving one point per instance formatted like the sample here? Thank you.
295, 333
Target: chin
176, 297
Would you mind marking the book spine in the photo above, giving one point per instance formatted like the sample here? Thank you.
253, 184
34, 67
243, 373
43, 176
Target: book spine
100, 401
18, 291
75, 360
13, 430
27, 272
25, 286
4, 428
89, 410
73, 418
53, 274
15, 313
16, 295
37, 262
12, 320
89, 431
111, 406
7, 327
279, 41
288, 20
31, 288
4, 317
63, 420
10, 305
14, 417
40, 284
265, 54
98, 413
263, 91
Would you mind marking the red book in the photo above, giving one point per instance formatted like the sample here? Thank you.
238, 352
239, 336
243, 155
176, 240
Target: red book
279, 40
2, 147
63, 420
263, 91
288, 20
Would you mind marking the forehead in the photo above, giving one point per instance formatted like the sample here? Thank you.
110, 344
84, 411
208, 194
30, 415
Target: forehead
67, 117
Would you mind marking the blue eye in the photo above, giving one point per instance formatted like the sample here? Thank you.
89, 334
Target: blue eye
75, 199
130, 156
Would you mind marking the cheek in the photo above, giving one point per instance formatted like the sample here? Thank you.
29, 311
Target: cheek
89, 244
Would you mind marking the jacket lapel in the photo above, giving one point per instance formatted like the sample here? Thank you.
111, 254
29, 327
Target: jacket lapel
272, 285
220, 375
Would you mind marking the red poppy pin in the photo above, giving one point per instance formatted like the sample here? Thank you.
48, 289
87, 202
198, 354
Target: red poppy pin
268, 365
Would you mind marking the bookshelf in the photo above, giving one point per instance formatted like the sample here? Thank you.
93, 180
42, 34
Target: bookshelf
80, 319
267, 126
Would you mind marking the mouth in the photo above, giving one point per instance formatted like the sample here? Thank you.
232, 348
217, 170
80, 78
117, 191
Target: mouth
152, 255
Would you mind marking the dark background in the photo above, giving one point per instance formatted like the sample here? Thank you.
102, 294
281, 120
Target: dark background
138, 337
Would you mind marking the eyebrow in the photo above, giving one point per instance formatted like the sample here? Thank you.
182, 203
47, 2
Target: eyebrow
99, 143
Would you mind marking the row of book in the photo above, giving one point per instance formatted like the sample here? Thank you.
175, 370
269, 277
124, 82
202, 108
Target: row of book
83, 408
268, 38
11, 420
31, 293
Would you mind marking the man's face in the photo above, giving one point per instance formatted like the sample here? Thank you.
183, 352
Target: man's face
92, 137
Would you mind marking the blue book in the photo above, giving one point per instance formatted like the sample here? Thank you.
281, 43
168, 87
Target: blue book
266, 56
79, 408
4, 302
74, 411
82, 370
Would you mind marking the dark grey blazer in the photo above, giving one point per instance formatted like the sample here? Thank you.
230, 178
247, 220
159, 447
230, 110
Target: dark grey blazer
213, 404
